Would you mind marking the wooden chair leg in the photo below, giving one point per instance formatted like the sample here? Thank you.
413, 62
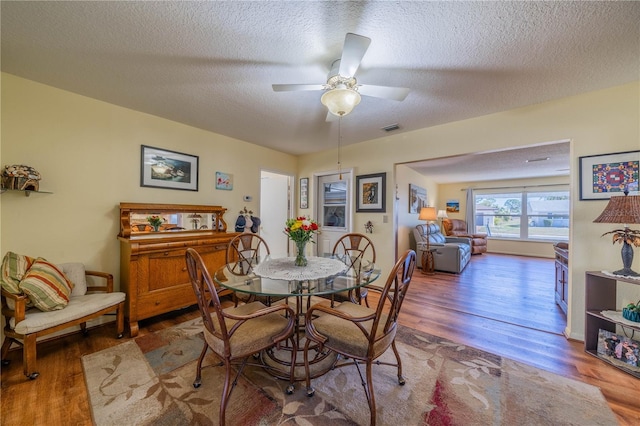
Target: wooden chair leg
6, 345
83, 328
29, 356
120, 321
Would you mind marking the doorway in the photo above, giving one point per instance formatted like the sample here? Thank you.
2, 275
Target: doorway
333, 208
275, 207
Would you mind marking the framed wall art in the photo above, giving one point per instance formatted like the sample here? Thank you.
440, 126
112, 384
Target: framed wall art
162, 168
371, 193
453, 206
602, 176
224, 181
417, 198
304, 193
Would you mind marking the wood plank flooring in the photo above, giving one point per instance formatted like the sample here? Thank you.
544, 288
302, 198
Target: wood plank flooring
502, 304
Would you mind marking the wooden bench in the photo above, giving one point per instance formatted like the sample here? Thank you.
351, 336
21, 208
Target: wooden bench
25, 325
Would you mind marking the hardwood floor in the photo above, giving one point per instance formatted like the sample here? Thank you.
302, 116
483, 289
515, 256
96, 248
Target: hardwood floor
502, 304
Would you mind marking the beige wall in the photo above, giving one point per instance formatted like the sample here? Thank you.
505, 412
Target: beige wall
88, 153
598, 122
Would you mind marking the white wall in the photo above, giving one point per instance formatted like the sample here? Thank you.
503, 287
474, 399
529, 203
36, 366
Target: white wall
599, 122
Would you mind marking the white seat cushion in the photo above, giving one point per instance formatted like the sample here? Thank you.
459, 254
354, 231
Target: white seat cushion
78, 307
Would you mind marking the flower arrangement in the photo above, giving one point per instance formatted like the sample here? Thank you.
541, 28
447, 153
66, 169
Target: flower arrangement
155, 221
632, 312
300, 229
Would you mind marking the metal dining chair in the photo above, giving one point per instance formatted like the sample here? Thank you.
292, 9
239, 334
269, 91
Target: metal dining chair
359, 253
359, 333
235, 334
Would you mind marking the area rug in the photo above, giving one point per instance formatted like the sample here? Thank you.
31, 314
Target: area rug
148, 381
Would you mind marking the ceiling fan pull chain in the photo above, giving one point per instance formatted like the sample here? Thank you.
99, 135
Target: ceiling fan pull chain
339, 140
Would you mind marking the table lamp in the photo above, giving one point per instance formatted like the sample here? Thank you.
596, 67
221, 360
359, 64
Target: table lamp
626, 210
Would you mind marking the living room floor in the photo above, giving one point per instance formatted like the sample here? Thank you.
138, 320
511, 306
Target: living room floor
502, 304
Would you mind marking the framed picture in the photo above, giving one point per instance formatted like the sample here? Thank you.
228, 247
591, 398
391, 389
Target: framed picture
224, 181
602, 176
162, 168
304, 193
417, 198
453, 206
371, 193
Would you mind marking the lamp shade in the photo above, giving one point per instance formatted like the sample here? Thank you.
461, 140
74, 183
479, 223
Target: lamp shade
442, 214
427, 213
340, 101
621, 209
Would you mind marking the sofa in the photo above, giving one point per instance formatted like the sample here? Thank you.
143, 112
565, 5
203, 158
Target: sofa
458, 228
450, 254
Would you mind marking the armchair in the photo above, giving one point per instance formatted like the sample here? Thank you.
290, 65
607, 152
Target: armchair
451, 254
458, 228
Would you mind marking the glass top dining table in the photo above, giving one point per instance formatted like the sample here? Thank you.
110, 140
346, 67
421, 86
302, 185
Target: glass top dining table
279, 276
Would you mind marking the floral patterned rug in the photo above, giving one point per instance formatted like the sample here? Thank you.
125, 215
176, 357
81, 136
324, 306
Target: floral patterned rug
148, 381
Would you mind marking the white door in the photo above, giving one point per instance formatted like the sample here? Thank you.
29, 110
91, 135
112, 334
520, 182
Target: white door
275, 204
333, 209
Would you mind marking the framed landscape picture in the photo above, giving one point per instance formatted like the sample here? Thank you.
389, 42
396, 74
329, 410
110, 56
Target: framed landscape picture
417, 198
370, 193
162, 168
602, 176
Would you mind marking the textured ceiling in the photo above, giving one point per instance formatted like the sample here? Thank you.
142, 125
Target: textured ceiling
211, 64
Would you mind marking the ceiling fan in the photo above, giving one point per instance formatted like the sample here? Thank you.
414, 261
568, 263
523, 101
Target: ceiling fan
342, 91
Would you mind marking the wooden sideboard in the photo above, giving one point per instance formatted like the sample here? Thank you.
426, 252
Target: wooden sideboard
153, 270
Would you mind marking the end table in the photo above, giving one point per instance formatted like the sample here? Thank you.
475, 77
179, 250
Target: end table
428, 262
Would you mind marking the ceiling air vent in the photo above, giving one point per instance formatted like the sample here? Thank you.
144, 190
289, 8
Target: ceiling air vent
391, 127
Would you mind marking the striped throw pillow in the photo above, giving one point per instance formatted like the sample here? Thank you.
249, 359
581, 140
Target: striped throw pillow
14, 266
47, 286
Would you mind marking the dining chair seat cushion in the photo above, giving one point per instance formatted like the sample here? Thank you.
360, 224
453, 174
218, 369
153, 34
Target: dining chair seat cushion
252, 336
346, 337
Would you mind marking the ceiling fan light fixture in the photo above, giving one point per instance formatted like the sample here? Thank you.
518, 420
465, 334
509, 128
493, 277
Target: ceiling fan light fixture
340, 100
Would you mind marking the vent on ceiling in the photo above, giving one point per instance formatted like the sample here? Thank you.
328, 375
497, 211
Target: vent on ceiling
391, 127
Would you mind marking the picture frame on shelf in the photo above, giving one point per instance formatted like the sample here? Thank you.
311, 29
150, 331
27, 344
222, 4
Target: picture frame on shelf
304, 193
163, 168
371, 193
604, 175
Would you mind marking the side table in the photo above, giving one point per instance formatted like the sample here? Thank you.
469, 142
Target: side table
428, 262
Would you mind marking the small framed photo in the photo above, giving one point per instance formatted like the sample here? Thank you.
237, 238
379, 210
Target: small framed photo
453, 206
371, 193
304, 193
602, 176
224, 181
162, 168
417, 198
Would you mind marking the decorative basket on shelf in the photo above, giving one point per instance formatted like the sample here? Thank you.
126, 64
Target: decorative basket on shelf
19, 176
632, 312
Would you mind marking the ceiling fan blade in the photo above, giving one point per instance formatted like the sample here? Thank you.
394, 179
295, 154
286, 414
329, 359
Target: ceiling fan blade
296, 87
355, 46
393, 93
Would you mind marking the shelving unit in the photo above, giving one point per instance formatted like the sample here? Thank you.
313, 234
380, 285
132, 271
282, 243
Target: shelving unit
600, 295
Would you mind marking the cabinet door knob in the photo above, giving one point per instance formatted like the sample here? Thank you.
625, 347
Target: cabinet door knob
157, 302
184, 269
166, 253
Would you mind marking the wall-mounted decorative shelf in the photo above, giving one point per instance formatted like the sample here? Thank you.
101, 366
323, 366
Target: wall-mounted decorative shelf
27, 192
